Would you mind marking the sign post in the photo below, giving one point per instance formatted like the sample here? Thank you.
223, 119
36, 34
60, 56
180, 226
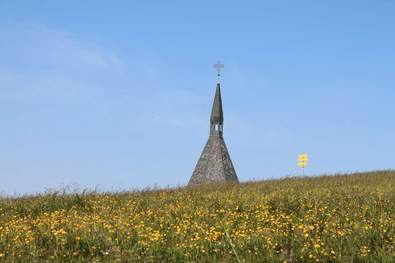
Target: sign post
302, 161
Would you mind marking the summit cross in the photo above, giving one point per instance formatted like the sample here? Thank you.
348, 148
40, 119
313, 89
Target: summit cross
218, 67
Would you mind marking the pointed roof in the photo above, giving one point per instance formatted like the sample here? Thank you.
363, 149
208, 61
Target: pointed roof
217, 116
214, 164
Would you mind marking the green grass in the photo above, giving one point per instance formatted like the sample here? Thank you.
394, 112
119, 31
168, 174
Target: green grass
341, 218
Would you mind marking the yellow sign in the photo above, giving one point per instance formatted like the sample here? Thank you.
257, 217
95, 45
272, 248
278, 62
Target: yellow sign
303, 160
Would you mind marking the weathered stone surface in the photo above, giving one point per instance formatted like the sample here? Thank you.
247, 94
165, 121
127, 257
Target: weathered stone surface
214, 164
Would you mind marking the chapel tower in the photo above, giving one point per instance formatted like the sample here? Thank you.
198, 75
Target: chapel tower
214, 164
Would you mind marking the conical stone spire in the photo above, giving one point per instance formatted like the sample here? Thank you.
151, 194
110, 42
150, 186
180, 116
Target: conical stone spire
214, 164
217, 116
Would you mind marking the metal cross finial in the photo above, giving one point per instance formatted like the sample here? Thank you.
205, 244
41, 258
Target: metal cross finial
218, 66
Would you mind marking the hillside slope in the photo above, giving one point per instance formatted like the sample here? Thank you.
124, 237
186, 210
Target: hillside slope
343, 218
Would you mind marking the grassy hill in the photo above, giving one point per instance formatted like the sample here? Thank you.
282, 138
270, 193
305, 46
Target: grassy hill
343, 218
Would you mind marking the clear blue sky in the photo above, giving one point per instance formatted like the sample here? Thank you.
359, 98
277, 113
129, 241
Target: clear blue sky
117, 94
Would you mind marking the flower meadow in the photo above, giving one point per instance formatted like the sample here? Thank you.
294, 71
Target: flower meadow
340, 218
